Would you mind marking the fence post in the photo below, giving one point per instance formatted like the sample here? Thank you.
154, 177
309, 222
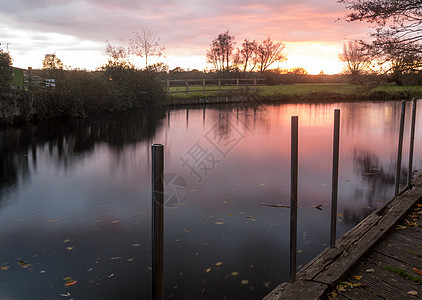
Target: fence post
400, 147
293, 197
412, 143
157, 179
334, 189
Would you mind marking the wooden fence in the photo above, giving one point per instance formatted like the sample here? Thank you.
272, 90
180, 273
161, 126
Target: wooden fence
211, 85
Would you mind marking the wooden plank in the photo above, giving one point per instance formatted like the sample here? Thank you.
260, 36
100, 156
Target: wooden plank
400, 247
350, 256
325, 258
333, 264
415, 232
378, 262
299, 289
360, 294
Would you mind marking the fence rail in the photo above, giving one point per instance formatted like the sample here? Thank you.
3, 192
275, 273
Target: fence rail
211, 85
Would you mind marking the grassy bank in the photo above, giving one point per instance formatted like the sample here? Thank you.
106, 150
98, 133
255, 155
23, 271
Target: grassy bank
301, 92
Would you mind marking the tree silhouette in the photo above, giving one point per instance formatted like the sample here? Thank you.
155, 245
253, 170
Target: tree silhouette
145, 43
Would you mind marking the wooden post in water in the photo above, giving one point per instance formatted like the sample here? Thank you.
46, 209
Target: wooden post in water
203, 84
412, 143
254, 84
293, 197
187, 86
168, 85
219, 84
157, 179
334, 189
400, 148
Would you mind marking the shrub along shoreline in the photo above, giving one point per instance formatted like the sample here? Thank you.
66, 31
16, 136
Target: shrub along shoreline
78, 94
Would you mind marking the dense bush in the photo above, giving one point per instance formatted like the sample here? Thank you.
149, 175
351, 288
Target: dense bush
81, 93
6, 71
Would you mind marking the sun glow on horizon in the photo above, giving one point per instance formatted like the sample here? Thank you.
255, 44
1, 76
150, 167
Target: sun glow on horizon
314, 57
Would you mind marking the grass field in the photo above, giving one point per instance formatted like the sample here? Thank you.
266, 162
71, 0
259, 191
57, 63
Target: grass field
299, 90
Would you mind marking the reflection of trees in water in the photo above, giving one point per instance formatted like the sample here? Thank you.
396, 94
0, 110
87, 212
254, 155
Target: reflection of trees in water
378, 182
238, 116
357, 116
67, 138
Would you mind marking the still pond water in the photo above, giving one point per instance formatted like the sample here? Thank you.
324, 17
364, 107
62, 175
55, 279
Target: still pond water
75, 199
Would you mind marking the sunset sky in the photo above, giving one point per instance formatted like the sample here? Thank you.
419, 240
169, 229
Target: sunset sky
78, 30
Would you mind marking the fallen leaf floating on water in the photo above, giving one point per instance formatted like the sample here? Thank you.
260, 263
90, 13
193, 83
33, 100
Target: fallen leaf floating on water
70, 248
244, 281
65, 295
250, 217
4, 268
414, 293
53, 221
208, 270
136, 245
66, 241
219, 223
115, 222
370, 271
24, 264
69, 281
235, 273
218, 263
357, 277
401, 227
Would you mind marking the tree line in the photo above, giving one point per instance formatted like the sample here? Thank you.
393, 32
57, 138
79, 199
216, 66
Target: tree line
252, 55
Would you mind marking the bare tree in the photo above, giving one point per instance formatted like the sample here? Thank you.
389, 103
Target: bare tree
117, 57
398, 25
355, 58
145, 43
220, 53
247, 55
268, 53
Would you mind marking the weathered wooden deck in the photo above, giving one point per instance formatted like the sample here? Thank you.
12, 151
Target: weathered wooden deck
393, 270
372, 261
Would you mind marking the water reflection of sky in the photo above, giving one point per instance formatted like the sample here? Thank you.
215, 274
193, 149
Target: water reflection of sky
75, 197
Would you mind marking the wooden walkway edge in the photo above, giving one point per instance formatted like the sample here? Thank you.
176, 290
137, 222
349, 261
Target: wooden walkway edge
325, 271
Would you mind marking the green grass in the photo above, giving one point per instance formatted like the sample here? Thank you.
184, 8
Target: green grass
403, 274
302, 90
306, 89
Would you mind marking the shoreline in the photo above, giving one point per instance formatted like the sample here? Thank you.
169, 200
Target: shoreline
21, 110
